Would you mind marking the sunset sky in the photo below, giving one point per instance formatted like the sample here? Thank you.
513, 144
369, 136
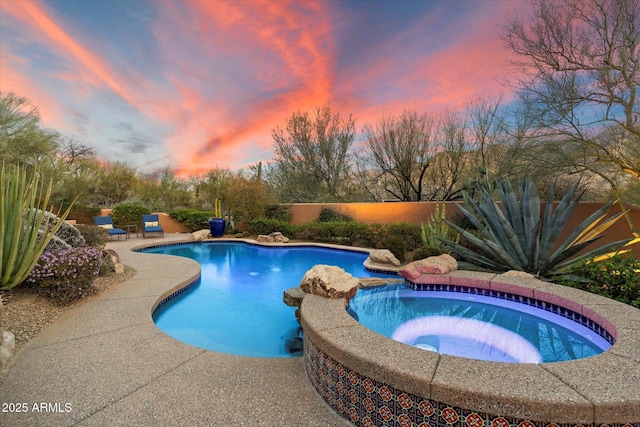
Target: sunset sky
199, 84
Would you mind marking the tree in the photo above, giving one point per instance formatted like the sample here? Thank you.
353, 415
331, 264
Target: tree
578, 68
115, 184
454, 154
72, 151
312, 160
248, 196
23, 140
169, 193
214, 185
396, 155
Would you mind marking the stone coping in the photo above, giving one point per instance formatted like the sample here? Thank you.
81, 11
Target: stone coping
603, 389
254, 242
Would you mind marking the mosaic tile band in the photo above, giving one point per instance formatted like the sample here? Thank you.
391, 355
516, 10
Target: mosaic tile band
367, 402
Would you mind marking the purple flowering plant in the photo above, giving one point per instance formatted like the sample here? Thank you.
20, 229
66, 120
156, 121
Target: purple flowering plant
66, 275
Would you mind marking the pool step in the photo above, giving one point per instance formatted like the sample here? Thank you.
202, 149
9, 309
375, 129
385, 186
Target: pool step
293, 296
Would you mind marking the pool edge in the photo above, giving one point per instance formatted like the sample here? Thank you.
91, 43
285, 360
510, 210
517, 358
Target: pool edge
595, 390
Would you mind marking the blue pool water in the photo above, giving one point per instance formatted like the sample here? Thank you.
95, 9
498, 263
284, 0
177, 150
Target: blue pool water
237, 305
473, 326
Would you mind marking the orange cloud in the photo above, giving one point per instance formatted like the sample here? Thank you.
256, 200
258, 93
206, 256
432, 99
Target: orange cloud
91, 70
226, 73
289, 55
14, 81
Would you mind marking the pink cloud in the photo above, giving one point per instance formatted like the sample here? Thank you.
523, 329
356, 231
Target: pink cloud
15, 81
92, 70
229, 72
287, 55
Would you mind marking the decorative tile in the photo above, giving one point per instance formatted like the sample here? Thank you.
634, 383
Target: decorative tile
367, 402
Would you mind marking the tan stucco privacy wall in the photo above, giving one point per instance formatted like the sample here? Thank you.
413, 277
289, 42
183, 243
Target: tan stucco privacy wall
420, 212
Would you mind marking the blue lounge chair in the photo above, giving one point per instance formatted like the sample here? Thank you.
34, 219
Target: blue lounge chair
106, 222
151, 224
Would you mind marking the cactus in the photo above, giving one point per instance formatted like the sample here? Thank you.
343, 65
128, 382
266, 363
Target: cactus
218, 209
437, 227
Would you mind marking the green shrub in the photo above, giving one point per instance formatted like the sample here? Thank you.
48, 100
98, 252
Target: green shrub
345, 232
128, 214
411, 234
279, 212
94, 236
68, 274
425, 252
192, 219
330, 215
83, 214
323, 232
617, 278
266, 226
397, 246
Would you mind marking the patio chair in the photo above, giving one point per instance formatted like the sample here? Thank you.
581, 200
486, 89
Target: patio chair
151, 224
106, 222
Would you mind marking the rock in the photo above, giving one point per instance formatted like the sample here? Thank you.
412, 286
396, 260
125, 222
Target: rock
368, 282
118, 267
200, 235
329, 281
293, 296
7, 348
441, 264
384, 257
278, 237
275, 237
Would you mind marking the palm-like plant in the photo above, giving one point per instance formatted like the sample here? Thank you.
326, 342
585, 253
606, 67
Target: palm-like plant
21, 239
516, 237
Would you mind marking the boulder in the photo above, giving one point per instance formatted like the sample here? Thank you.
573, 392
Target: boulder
293, 296
441, 264
275, 237
200, 235
383, 257
7, 348
118, 267
329, 281
278, 237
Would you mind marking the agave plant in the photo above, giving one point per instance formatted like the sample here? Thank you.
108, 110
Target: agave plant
516, 237
21, 239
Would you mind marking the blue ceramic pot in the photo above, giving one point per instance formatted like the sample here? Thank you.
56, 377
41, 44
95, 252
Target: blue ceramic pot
217, 226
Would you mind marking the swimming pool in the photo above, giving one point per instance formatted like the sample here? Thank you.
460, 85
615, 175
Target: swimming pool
474, 326
236, 307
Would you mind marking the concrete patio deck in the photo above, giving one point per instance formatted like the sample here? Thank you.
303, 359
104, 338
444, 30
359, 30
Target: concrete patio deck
104, 363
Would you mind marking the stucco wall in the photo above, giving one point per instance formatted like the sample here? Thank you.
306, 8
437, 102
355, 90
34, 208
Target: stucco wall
420, 212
